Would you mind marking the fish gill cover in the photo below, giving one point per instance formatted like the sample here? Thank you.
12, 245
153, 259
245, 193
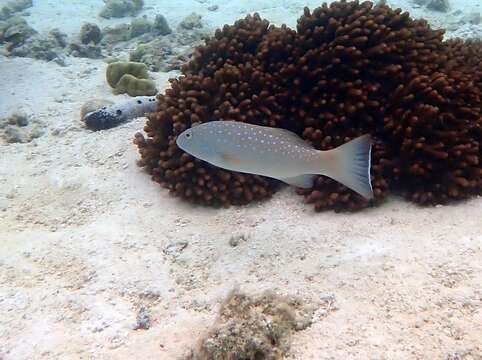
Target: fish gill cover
350, 68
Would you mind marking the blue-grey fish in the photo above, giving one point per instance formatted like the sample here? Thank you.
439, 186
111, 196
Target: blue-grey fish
279, 154
109, 116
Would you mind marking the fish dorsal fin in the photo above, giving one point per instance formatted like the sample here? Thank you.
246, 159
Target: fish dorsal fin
289, 136
304, 181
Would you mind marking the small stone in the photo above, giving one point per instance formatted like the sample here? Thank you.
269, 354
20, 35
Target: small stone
235, 240
175, 248
213, 8
143, 319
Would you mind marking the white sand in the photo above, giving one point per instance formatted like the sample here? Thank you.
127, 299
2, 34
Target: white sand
83, 234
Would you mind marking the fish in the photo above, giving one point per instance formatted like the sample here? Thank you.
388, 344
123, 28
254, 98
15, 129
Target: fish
112, 115
279, 154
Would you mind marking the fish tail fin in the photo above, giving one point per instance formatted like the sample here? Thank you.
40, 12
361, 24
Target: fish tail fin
350, 165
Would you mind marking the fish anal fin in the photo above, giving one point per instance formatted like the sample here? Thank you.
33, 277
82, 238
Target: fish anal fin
304, 181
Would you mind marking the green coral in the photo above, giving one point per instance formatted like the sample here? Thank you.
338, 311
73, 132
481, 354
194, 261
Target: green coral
130, 77
135, 87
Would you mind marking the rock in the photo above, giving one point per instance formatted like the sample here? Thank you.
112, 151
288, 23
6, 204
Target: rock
36, 132
20, 120
169, 52
140, 29
190, 22
126, 32
154, 54
12, 135
13, 7
18, 129
115, 34
121, 8
90, 51
15, 31
421, 2
438, 5
175, 249
161, 27
20, 5
140, 26
90, 33
41, 47
143, 319
59, 36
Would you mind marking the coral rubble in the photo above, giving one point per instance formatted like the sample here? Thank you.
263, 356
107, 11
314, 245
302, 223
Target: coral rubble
253, 327
349, 68
18, 128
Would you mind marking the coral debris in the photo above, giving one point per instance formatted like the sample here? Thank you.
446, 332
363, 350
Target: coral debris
254, 327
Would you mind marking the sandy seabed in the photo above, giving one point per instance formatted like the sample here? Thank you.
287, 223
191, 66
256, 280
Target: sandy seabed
87, 239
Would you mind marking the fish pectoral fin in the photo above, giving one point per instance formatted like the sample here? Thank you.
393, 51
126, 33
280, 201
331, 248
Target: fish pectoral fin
230, 159
304, 181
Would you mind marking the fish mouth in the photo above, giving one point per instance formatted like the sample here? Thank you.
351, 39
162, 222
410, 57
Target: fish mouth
178, 142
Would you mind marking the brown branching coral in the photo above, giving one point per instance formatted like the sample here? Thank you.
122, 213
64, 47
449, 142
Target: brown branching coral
435, 125
350, 68
229, 85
